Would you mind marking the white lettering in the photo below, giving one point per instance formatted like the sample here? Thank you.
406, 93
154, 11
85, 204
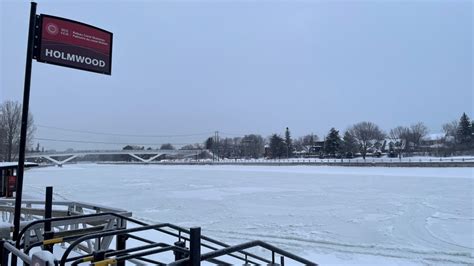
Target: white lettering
49, 53
79, 59
74, 58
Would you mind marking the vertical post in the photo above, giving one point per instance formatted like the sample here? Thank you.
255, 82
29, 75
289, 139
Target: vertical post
48, 211
24, 120
4, 253
121, 245
195, 246
217, 144
24, 125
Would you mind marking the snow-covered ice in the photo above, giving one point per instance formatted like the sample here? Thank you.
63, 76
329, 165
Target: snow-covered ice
332, 215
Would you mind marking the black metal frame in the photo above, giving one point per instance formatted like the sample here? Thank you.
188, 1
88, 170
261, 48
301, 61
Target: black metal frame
178, 228
191, 256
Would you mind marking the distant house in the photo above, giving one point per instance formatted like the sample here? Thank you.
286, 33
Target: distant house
376, 146
317, 148
434, 141
266, 151
310, 150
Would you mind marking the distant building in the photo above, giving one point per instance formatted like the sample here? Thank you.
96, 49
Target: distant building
434, 141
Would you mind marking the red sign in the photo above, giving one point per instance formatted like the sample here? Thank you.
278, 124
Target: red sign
11, 185
74, 44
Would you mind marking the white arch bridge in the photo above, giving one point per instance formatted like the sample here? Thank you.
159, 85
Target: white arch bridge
143, 156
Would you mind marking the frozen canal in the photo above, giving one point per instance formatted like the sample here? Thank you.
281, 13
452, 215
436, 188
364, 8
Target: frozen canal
332, 215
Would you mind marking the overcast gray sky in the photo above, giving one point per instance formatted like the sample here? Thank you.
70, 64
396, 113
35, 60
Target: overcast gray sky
192, 67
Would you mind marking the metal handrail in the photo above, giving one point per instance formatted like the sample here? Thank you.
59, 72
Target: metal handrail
240, 247
25, 258
56, 219
266, 246
159, 227
104, 234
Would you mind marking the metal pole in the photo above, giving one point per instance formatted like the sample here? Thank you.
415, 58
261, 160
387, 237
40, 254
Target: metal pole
217, 143
195, 246
48, 211
3, 253
121, 245
24, 120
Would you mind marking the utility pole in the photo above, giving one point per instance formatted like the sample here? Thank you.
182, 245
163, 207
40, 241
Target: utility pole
216, 144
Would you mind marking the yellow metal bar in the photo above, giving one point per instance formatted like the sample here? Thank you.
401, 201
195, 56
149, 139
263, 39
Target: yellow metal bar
105, 262
89, 258
53, 241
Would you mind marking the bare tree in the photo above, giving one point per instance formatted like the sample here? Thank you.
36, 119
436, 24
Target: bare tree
195, 146
3, 137
10, 127
366, 134
309, 140
400, 136
252, 146
450, 129
417, 132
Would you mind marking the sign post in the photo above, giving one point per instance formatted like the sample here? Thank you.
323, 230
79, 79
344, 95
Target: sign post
62, 42
24, 125
24, 120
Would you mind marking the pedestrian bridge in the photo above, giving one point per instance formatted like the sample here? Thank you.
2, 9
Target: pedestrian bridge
144, 156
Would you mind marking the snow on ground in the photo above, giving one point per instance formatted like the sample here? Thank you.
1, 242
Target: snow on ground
332, 215
344, 160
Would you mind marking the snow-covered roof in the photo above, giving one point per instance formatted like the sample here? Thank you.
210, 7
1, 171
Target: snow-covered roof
14, 164
434, 136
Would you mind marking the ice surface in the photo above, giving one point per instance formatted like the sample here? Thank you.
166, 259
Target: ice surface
332, 215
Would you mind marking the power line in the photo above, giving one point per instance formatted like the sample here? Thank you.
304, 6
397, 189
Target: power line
125, 135
111, 143
237, 135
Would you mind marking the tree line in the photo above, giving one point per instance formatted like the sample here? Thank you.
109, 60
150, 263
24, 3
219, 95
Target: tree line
361, 139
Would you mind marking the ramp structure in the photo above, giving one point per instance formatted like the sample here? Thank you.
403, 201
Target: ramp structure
85, 234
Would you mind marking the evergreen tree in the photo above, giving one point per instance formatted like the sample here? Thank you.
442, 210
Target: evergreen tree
464, 130
332, 143
167, 146
289, 143
349, 143
277, 146
209, 143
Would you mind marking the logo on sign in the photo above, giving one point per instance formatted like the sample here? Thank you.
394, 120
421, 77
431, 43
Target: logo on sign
52, 29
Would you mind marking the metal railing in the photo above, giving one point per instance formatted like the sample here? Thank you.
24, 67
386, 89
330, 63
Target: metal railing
105, 255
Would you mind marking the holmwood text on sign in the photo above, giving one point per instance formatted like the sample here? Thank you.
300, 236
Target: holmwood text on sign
74, 44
